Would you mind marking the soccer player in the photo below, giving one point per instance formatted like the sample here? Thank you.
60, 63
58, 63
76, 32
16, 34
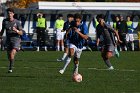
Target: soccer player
67, 24
129, 35
108, 46
59, 35
77, 36
13, 31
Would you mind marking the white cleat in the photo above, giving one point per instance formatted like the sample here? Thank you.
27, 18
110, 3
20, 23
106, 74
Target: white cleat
61, 71
60, 60
111, 68
10, 71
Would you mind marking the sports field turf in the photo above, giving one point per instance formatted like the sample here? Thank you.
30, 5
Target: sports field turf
37, 72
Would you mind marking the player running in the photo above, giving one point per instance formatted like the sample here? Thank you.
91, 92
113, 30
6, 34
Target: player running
77, 36
67, 24
108, 47
13, 31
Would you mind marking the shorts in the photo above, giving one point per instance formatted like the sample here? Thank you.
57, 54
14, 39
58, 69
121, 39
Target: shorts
108, 48
129, 37
66, 43
59, 35
13, 44
77, 51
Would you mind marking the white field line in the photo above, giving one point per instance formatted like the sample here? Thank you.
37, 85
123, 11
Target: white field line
99, 69
125, 70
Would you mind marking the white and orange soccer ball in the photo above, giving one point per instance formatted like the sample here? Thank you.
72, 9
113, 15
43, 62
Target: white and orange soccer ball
77, 77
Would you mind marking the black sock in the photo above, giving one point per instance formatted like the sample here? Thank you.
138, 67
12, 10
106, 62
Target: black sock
107, 62
11, 64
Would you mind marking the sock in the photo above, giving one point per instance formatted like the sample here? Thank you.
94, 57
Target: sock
76, 65
11, 64
37, 48
125, 48
57, 48
132, 44
107, 62
62, 48
45, 48
84, 48
64, 56
67, 61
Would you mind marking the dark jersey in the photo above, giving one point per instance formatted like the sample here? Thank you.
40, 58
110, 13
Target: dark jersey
67, 24
75, 38
107, 33
8, 26
121, 26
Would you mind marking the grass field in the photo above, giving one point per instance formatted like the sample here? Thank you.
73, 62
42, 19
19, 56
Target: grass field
37, 72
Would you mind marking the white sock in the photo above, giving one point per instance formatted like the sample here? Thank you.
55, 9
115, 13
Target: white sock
125, 48
84, 48
45, 48
37, 48
67, 61
62, 48
132, 44
58, 48
64, 56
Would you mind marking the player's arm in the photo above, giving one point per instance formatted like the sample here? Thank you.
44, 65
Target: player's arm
114, 31
117, 35
3, 28
18, 30
82, 35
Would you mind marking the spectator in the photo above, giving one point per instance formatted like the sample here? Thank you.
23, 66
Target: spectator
59, 34
121, 26
41, 31
129, 35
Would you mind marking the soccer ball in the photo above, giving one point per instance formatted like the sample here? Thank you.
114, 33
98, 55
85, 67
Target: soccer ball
77, 77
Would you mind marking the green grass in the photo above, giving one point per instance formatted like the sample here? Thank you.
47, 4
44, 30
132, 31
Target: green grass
37, 72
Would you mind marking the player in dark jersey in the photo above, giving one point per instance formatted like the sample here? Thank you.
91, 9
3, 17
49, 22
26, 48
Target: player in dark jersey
108, 46
67, 25
13, 30
77, 36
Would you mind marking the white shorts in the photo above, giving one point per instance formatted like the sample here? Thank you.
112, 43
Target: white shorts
129, 37
59, 34
77, 51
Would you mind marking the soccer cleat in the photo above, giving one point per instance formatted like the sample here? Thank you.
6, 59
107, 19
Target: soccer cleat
61, 71
117, 53
110, 68
60, 60
89, 48
10, 71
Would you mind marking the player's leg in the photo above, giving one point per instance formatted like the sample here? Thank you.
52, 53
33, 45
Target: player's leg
65, 53
58, 38
38, 39
66, 49
132, 41
77, 55
68, 58
106, 55
125, 45
62, 40
44, 39
62, 44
